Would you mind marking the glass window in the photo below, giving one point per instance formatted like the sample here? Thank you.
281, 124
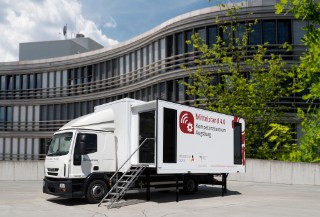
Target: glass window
3, 83
18, 82
155, 92
169, 45
143, 95
50, 112
143, 57
162, 89
254, 34
269, 32
149, 94
89, 70
57, 111
84, 108
77, 109
162, 48
212, 35
108, 66
188, 47
179, 43
9, 82
115, 70
77, 75
150, 50
170, 90
202, 34
102, 70
227, 35
2, 114
64, 110
24, 82
96, 72
240, 31
70, 111
127, 63
156, 51
180, 91
190, 97
31, 81
60, 144
138, 59
43, 113
84, 73
38, 81
9, 114
284, 30
297, 31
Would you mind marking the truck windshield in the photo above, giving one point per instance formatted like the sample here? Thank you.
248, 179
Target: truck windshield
60, 144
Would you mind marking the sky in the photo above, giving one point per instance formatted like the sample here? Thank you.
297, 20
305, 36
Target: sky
106, 21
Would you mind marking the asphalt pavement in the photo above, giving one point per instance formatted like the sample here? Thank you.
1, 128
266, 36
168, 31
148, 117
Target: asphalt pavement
244, 199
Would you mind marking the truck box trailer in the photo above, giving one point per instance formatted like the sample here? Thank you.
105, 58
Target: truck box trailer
131, 144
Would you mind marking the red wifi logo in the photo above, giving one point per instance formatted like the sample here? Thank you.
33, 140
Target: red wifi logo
186, 122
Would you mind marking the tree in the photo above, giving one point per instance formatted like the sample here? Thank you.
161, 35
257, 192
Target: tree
308, 74
234, 78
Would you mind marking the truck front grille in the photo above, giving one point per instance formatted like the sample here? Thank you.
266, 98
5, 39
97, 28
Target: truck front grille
53, 169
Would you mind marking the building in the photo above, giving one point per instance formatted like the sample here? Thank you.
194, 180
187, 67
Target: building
60, 48
38, 96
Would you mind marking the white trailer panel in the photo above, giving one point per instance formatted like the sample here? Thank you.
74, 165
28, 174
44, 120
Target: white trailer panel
193, 140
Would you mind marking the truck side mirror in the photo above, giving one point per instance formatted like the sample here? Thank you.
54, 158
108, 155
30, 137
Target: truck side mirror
48, 144
82, 144
82, 147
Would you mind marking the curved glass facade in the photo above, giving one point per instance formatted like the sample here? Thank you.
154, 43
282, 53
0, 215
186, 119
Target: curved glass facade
38, 97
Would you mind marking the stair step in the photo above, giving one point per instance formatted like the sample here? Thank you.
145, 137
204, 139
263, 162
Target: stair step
124, 184
114, 193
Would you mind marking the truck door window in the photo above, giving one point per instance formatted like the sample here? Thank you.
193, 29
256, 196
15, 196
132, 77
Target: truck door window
90, 141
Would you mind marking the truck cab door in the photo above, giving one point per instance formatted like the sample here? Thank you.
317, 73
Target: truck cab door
85, 157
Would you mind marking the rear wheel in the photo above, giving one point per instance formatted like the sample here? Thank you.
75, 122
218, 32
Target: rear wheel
96, 191
190, 185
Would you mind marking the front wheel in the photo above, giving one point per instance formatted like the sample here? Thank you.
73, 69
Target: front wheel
96, 191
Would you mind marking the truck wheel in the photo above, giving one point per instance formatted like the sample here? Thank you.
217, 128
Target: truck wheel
190, 186
96, 191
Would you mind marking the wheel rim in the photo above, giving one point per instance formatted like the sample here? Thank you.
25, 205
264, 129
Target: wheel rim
97, 191
190, 185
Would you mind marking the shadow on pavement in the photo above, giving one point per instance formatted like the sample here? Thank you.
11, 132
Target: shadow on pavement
157, 197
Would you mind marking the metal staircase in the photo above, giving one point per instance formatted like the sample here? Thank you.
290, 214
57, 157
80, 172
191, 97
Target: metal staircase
123, 184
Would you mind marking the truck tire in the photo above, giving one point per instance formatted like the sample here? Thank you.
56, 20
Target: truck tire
190, 185
96, 191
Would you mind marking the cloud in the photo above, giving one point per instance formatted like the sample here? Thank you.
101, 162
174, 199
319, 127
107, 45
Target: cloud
43, 20
110, 23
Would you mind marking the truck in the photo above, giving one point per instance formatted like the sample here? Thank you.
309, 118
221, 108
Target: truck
131, 145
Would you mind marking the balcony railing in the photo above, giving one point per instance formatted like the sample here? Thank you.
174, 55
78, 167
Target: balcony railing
165, 66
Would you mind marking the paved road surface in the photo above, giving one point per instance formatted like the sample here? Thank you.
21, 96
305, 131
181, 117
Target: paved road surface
25, 198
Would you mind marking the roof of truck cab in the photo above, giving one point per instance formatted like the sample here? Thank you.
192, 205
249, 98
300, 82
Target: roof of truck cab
100, 120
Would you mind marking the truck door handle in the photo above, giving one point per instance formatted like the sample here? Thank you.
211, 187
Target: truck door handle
96, 168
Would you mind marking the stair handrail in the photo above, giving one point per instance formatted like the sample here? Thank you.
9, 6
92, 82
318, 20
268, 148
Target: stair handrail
130, 157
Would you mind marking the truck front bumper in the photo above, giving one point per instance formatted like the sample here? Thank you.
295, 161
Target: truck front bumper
66, 188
